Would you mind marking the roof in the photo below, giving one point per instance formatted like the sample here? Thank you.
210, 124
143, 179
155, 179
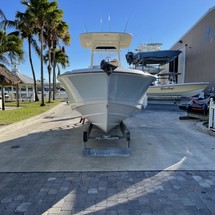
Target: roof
7, 78
108, 41
24, 78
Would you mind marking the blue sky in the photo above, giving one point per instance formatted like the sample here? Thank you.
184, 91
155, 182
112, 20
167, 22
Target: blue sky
163, 21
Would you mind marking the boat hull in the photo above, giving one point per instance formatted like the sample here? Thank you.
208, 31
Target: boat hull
177, 90
106, 100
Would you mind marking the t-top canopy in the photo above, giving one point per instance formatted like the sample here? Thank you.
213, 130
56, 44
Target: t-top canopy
105, 41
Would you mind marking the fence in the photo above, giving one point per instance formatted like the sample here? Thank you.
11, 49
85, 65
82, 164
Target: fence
211, 122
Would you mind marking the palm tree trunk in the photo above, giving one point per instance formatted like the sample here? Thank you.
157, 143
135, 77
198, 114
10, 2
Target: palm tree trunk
2, 97
49, 73
17, 95
54, 72
33, 73
54, 78
41, 68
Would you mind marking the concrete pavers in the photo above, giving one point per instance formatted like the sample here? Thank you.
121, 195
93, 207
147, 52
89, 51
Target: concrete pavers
133, 192
42, 169
53, 142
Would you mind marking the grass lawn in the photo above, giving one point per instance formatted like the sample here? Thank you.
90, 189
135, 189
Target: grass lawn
26, 110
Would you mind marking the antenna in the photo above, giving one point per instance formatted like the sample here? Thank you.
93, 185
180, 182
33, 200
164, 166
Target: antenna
101, 23
127, 23
85, 25
109, 22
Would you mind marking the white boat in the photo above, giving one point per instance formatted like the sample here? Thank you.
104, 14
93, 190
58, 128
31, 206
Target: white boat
150, 58
109, 95
177, 90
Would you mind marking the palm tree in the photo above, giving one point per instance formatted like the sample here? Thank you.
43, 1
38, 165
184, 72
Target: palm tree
2, 15
11, 47
47, 60
55, 31
39, 11
61, 59
61, 33
25, 27
52, 23
58, 59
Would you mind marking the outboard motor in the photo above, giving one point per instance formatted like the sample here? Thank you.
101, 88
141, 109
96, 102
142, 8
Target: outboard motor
129, 57
109, 66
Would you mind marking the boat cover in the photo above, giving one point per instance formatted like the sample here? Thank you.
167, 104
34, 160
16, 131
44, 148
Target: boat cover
160, 57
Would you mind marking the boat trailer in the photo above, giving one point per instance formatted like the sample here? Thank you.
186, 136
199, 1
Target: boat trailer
112, 151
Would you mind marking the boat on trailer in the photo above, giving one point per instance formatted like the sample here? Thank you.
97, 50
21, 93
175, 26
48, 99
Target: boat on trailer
106, 93
150, 58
